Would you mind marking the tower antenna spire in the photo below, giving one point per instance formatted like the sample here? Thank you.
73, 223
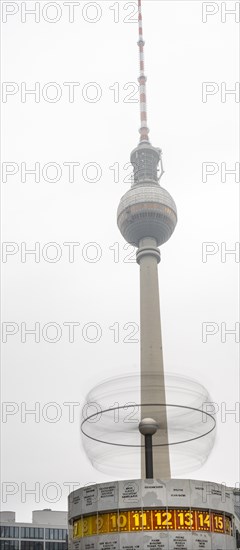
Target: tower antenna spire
144, 130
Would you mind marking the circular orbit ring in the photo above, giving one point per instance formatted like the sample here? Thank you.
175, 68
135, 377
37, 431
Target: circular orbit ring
147, 405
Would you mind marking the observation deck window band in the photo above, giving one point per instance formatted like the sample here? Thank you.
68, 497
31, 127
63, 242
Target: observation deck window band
147, 405
153, 520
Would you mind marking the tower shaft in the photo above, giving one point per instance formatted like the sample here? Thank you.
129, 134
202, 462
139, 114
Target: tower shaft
152, 370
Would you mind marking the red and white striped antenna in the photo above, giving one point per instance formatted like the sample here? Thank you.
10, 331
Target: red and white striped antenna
144, 130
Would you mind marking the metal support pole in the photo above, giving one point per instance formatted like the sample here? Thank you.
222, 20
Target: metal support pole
148, 456
148, 428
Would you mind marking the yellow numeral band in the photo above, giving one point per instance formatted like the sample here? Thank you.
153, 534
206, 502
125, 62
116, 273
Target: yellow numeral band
152, 520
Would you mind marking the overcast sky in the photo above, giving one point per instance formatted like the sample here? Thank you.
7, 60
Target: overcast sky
99, 46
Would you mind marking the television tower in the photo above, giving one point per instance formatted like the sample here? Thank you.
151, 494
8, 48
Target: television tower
156, 511
147, 217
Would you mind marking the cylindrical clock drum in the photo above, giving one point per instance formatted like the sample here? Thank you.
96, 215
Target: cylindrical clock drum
152, 514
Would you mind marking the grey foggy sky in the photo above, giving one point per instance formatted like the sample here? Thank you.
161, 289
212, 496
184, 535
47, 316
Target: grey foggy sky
182, 52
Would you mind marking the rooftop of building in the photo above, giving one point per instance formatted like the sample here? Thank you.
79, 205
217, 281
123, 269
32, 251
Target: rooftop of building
45, 517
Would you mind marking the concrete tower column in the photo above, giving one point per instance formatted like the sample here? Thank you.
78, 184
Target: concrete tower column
147, 217
148, 257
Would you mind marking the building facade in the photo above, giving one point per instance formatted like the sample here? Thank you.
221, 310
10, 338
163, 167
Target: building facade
48, 531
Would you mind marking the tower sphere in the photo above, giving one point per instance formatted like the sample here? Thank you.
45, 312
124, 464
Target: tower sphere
148, 426
147, 211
